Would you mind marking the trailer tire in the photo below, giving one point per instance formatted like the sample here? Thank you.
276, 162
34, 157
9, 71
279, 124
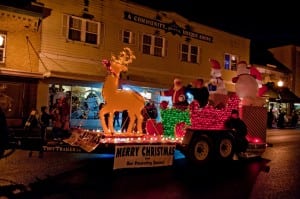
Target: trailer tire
225, 148
200, 150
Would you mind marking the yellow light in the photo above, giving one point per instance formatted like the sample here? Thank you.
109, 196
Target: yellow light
280, 83
1, 40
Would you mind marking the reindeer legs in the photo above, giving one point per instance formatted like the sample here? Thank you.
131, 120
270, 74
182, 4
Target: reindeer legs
111, 122
131, 117
139, 123
102, 118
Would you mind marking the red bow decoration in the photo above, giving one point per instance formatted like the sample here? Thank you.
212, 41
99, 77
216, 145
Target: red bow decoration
107, 64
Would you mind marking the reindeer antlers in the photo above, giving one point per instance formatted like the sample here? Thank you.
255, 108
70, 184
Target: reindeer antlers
126, 56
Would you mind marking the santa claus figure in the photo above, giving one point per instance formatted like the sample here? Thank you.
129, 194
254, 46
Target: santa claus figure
178, 94
246, 84
216, 84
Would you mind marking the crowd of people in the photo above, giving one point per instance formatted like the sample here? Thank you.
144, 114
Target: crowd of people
278, 118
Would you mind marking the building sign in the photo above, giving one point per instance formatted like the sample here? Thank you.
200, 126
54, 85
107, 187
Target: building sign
167, 27
135, 156
65, 148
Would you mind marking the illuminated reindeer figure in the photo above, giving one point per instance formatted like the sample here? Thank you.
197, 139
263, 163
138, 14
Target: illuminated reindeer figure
119, 100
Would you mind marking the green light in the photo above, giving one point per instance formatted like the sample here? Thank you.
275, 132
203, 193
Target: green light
170, 117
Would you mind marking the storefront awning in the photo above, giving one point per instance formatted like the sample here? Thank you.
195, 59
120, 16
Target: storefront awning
284, 95
20, 73
74, 76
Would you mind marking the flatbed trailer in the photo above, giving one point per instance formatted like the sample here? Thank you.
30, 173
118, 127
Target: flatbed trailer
197, 132
198, 145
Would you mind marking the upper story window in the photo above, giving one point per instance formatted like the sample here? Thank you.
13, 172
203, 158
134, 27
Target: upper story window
128, 37
153, 45
82, 30
190, 53
2, 47
230, 62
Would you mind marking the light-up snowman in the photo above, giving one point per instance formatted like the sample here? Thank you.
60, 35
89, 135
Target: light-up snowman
246, 85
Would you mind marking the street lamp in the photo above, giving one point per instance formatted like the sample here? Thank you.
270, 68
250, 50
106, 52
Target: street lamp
280, 83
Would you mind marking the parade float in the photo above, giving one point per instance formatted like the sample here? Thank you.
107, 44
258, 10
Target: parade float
198, 133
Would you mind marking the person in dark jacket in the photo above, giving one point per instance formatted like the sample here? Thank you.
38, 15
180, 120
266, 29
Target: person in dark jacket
44, 121
3, 132
235, 123
199, 92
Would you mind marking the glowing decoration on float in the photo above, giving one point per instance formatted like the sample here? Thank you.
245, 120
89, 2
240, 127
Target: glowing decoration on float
216, 84
180, 129
209, 117
119, 100
246, 85
154, 128
170, 117
216, 87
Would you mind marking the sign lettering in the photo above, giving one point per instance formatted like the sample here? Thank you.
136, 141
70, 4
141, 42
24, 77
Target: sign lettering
134, 156
167, 27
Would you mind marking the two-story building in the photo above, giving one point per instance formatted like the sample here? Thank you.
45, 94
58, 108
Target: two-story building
78, 34
280, 80
20, 43
289, 55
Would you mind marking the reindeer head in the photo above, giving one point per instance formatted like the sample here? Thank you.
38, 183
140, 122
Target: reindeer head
119, 64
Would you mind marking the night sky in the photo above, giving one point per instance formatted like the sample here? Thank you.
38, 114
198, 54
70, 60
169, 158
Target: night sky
267, 25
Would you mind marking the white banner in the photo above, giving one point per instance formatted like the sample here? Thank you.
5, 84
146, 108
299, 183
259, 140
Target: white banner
134, 156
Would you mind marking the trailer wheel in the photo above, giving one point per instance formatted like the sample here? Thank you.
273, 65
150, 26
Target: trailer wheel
225, 149
200, 150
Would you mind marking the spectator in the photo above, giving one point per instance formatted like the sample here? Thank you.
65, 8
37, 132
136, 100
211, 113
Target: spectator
149, 112
294, 120
32, 121
44, 122
33, 129
3, 132
270, 117
57, 124
116, 119
106, 116
281, 120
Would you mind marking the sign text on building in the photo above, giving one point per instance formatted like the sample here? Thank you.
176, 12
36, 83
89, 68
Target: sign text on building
168, 27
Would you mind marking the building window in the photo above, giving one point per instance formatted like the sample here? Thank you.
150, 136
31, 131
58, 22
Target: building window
128, 37
230, 62
153, 45
190, 53
2, 47
82, 30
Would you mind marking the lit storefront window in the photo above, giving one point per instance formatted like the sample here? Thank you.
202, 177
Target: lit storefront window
78, 106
